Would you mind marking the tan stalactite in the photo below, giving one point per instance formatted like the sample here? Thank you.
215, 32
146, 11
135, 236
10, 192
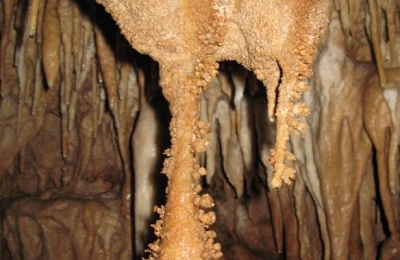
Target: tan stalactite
345, 14
25, 64
376, 37
379, 126
39, 26
33, 16
126, 117
51, 43
184, 220
390, 9
354, 12
107, 67
341, 164
368, 220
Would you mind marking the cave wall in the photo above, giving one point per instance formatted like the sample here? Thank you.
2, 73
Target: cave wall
237, 101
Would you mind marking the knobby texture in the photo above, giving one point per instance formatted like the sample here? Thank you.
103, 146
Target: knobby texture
278, 43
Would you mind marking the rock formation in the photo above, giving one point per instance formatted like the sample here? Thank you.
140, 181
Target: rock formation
282, 117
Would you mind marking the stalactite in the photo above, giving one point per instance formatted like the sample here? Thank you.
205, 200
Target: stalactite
276, 219
354, 12
51, 42
102, 103
379, 126
344, 6
33, 16
229, 143
66, 24
290, 230
304, 233
390, 8
72, 110
150, 133
234, 167
77, 44
95, 97
107, 66
270, 76
26, 63
350, 129
64, 122
37, 86
87, 36
19, 23
39, 26
247, 141
368, 220
7, 19
211, 96
391, 96
376, 37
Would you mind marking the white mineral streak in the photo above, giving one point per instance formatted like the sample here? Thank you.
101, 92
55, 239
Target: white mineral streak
148, 133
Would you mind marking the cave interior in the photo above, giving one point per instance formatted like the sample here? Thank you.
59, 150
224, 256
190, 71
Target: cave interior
110, 111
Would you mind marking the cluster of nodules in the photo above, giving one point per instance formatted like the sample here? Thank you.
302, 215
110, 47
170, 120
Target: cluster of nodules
203, 203
211, 35
201, 138
158, 228
304, 54
212, 250
202, 72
